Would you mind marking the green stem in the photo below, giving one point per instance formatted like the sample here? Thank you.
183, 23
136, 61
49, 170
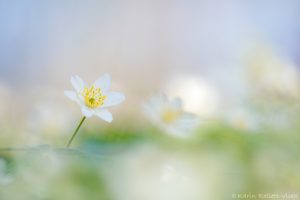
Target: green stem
75, 132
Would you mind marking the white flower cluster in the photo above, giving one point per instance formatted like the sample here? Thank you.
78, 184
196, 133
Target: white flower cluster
95, 99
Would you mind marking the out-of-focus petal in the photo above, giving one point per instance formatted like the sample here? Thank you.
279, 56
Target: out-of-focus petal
187, 122
150, 112
176, 103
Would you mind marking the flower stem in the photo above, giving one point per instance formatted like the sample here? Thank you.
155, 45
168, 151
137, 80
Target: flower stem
75, 132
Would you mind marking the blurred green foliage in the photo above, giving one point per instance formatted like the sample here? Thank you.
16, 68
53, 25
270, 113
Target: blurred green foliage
251, 161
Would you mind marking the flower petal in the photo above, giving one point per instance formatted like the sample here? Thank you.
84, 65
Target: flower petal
149, 111
163, 98
176, 102
103, 82
113, 98
72, 95
187, 122
87, 112
104, 114
78, 83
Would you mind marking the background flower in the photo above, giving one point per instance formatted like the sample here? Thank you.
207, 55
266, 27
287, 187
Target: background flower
170, 116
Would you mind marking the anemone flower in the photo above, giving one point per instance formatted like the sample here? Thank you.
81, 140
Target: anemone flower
170, 116
93, 99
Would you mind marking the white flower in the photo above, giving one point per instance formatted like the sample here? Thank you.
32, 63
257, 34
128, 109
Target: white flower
274, 76
149, 172
199, 96
96, 98
243, 119
170, 116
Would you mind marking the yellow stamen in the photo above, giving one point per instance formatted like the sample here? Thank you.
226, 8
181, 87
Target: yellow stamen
170, 115
93, 97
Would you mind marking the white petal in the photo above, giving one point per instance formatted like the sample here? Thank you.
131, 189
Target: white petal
113, 98
159, 101
103, 82
151, 113
187, 121
72, 95
176, 103
87, 112
78, 83
156, 104
104, 114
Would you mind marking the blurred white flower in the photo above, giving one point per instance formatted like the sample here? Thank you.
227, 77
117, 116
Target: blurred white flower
96, 98
272, 75
170, 116
199, 96
243, 119
35, 172
147, 173
44, 119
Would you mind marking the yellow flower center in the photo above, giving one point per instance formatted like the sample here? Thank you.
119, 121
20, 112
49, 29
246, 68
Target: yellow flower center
170, 115
93, 97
